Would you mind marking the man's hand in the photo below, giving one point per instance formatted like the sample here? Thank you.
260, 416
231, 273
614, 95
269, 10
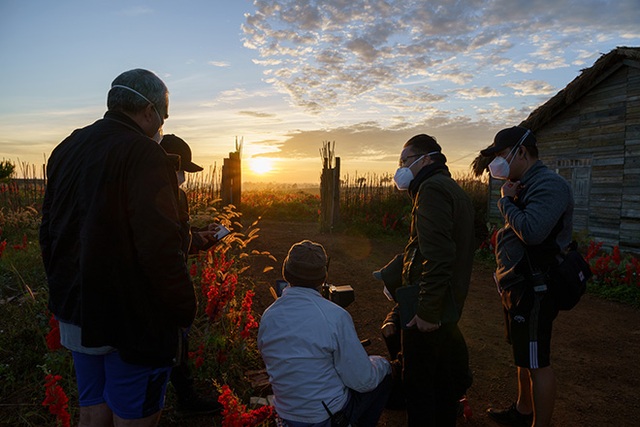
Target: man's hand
510, 189
209, 236
423, 325
388, 329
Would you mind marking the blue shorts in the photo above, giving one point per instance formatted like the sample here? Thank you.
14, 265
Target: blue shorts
130, 391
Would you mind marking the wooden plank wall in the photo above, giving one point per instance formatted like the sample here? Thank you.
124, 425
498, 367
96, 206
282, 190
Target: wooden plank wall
595, 145
630, 212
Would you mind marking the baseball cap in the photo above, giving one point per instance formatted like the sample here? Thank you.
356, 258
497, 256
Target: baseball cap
175, 145
509, 137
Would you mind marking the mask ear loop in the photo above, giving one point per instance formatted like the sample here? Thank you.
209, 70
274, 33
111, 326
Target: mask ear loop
518, 144
416, 161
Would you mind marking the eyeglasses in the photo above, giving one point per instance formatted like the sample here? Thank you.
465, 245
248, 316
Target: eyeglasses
402, 161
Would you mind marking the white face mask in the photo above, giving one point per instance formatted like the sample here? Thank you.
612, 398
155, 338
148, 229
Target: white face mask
158, 136
404, 176
499, 168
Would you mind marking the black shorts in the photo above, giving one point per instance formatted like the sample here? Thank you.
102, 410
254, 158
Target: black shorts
529, 320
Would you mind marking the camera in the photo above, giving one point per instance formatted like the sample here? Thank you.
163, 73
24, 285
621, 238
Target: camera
342, 295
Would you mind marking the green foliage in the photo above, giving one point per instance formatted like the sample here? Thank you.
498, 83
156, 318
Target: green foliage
281, 206
7, 169
619, 293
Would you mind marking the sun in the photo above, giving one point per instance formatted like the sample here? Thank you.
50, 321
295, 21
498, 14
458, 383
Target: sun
261, 165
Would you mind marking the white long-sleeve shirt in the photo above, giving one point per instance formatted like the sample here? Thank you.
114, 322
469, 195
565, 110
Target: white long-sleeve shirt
313, 354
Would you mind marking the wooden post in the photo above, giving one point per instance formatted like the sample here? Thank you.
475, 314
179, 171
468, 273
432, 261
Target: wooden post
329, 188
231, 185
335, 211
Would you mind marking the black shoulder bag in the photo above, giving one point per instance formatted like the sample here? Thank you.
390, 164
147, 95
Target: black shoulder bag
569, 278
567, 270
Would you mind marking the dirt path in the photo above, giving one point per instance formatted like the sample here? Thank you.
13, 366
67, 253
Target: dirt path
595, 350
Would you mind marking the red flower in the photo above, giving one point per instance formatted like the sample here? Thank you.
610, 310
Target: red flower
249, 320
3, 246
193, 271
53, 337
592, 251
23, 245
494, 239
198, 356
235, 414
219, 294
616, 255
56, 400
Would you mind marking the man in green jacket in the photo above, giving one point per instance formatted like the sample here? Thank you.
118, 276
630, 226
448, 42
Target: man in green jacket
437, 260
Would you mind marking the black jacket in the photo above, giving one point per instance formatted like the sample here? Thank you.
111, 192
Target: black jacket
111, 243
439, 254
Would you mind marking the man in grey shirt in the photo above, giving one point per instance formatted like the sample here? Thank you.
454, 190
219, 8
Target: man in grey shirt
537, 206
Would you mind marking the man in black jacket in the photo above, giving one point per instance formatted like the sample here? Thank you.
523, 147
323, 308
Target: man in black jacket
436, 263
111, 246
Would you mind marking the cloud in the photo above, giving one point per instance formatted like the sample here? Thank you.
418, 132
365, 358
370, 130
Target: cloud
219, 63
477, 92
325, 55
531, 88
369, 141
257, 114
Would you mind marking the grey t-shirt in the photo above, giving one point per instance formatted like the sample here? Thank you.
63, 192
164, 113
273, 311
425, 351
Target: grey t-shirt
71, 338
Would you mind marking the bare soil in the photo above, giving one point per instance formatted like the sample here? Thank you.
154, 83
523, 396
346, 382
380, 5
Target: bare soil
595, 349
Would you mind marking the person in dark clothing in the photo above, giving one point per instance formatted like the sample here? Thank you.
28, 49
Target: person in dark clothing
111, 247
194, 240
437, 259
537, 206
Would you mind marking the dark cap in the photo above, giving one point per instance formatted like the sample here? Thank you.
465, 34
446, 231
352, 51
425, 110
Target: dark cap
508, 138
305, 264
175, 145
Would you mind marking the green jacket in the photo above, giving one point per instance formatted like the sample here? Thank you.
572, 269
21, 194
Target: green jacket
439, 254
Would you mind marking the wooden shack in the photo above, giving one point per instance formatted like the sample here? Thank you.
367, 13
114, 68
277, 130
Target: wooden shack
589, 133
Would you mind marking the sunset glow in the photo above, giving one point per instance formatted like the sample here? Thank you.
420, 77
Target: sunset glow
285, 76
260, 165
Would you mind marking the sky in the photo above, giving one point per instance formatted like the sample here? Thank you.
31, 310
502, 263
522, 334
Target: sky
285, 77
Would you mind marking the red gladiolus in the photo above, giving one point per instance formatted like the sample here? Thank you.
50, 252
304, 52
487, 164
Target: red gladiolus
494, 239
23, 245
53, 337
3, 246
249, 320
193, 270
56, 400
219, 294
198, 356
616, 255
235, 414
592, 251
218, 261
257, 416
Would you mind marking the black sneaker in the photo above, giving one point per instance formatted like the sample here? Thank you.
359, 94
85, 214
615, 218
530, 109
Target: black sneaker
198, 406
510, 417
